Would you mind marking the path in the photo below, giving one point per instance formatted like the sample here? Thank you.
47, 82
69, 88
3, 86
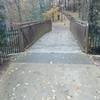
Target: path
54, 68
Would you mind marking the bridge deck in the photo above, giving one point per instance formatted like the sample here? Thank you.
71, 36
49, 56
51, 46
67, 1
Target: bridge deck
59, 40
58, 46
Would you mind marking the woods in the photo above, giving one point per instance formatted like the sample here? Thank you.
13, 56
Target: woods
27, 10
3, 23
14, 13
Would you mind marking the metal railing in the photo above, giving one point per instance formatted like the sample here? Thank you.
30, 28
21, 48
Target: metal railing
22, 36
88, 36
33, 32
79, 30
12, 38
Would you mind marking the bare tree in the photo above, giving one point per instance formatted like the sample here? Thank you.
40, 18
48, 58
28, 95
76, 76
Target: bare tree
17, 2
3, 24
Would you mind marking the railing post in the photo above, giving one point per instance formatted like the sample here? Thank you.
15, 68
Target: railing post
21, 44
87, 45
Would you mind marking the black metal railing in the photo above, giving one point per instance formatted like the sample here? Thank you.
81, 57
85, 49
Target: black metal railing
13, 41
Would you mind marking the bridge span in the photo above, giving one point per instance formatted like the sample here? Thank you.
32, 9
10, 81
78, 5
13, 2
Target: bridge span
54, 68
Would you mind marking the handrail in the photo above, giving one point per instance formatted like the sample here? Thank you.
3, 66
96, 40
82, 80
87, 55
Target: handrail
74, 19
21, 24
32, 23
27, 23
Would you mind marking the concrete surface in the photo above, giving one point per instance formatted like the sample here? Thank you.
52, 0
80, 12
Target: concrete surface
24, 81
56, 58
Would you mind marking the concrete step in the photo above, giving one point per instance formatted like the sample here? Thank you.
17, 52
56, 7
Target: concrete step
63, 58
28, 81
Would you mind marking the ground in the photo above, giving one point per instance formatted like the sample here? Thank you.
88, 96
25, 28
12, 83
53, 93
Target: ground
54, 68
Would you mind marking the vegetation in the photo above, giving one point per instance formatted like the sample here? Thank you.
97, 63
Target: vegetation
94, 17
27, 10
2, 23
